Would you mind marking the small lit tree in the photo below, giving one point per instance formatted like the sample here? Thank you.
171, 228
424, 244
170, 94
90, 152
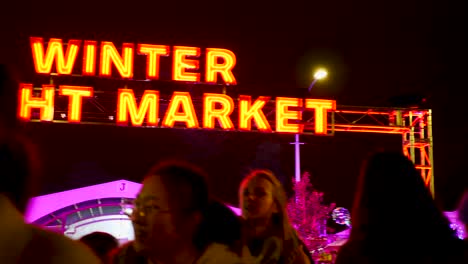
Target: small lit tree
307, 212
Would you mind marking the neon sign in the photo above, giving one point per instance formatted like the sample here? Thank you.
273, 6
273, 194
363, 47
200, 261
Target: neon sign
183, 59
219, 110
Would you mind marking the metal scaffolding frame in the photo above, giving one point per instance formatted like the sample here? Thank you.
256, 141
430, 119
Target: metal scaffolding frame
415, 126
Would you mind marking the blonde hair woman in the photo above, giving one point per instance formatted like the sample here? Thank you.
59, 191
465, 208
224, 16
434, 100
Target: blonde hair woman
268, 236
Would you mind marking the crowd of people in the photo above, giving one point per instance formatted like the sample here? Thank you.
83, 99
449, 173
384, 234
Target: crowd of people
177, 220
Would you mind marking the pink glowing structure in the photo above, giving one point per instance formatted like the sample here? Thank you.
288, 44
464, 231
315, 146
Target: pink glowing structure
43, 205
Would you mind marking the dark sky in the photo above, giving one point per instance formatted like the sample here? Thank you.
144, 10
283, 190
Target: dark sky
374, 50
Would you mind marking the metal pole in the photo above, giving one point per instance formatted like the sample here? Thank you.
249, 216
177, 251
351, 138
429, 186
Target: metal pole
297, 149
422, 149
312, 84
412, 139
297, 159
431, 151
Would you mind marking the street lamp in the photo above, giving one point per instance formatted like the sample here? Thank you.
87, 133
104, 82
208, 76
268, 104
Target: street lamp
318, 75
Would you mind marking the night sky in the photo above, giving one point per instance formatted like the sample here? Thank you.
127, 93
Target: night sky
374, 50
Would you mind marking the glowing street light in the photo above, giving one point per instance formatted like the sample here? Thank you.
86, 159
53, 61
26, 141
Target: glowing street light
318, 75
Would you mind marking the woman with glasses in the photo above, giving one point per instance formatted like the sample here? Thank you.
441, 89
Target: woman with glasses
170, 220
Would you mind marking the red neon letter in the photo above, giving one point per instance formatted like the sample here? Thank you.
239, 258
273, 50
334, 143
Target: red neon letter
224, 69
43, 63
124, 63
89, 57
153, 53
247, 111
181, 63
74, 104
45, 103
184, 101
126, 105
283, 115
321, 107
210, 113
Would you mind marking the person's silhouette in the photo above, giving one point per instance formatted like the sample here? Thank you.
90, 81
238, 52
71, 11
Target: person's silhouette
20, 242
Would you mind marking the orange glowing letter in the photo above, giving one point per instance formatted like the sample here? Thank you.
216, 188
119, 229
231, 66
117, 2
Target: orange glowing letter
210, 113
127, 105
321, 107
89, 57
247, 111
153, 52
181, 63
74, 104
283, 115
124, 63
224, 68
184, 101
63, 64
45, 103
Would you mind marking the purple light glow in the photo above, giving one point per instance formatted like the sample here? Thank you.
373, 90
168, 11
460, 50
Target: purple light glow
46, 204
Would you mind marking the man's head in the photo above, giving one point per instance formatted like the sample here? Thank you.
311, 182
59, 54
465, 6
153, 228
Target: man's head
168, 209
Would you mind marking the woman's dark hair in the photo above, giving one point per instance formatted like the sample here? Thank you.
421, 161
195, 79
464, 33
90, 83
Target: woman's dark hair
392, 200
189, 183
18, 156
8, 98
220, 225
186, 180
19, 168
101, 243
463, 209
